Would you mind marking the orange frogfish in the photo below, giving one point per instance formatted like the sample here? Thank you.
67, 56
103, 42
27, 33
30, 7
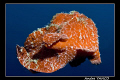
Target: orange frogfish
69, 38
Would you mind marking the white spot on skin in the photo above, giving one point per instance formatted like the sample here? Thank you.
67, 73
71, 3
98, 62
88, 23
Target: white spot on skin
91, 28
29, 67
34, 31
77, 18
52, 66
34, 34
32, 46
56, 25
92, 34
39, 29
47, 27
31, 42
80, 46
33, 53
86, 36
18, 57
47, 60
95, 54
93, 41
65, 52
28, 40
83, 36
28, 54
37, 67
21, 50
80, 37
72, 12
35, 61
72, 47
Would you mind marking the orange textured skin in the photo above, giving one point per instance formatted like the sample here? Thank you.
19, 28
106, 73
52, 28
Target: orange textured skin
51, 38
82, 34
68, 37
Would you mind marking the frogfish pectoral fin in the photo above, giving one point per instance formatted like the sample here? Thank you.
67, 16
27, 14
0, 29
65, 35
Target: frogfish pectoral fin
25, 59
51, 38
20, 51
21, 54
95, 59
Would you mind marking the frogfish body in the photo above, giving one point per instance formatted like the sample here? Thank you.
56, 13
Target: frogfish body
69, 38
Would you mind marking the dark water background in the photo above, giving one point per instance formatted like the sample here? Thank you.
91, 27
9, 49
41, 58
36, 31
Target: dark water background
22, 19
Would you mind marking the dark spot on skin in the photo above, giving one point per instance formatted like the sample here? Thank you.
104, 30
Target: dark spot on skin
33, 71
80, 58
32, 38
44, 53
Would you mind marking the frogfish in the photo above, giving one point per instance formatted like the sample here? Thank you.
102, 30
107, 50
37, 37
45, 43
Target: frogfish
69, 38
